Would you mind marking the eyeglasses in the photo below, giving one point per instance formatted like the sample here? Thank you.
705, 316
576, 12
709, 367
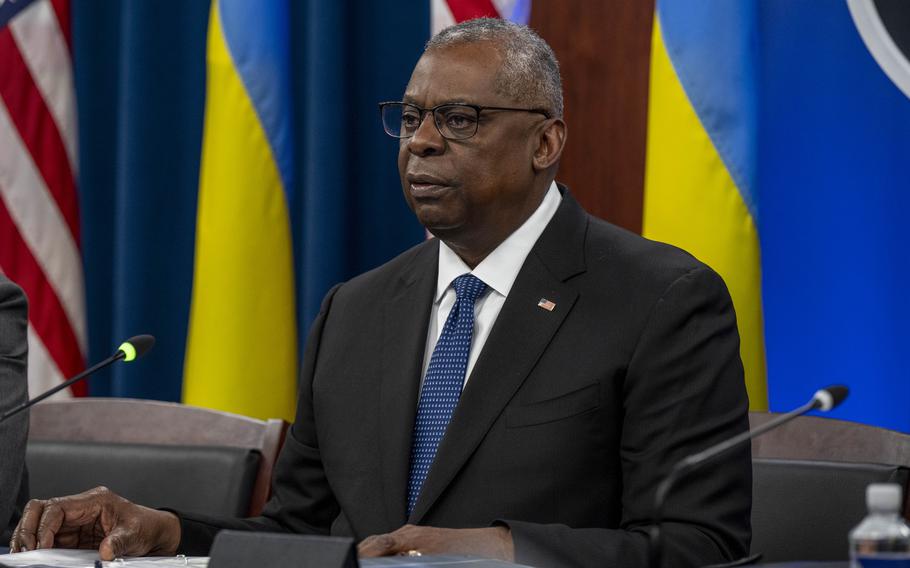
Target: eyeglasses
454, 121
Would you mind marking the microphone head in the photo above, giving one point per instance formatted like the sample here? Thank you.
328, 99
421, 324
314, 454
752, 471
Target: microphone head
136, 346
830, 397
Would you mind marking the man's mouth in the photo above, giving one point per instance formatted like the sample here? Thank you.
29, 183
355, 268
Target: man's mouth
427, 186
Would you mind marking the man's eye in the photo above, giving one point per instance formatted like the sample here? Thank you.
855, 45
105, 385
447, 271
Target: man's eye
459, 121
410, 120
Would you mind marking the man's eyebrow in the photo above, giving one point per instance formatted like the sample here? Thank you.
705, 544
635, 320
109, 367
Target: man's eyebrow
412, 100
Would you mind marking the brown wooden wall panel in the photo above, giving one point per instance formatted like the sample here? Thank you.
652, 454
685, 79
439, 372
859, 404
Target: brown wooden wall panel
604, 50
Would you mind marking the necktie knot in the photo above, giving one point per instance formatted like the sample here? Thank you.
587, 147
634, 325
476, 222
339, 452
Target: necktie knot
468, 288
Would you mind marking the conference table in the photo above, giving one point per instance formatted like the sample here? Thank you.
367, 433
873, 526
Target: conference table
80, 559
454, 561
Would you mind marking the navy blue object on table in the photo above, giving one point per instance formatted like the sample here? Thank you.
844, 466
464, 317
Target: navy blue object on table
437, 561
797, 564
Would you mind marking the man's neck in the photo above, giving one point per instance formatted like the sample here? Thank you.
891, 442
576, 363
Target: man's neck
472, 256
474, 252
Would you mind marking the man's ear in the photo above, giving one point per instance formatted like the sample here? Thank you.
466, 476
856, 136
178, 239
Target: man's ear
550, 142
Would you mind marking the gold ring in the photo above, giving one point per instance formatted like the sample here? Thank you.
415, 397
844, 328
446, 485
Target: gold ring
414, 553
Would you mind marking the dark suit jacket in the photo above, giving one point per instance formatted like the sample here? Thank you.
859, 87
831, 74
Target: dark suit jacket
13, 392
569, 421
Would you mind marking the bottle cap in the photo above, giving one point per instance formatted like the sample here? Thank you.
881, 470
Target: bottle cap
885, 497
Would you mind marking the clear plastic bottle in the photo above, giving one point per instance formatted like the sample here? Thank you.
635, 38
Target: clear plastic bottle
883, 538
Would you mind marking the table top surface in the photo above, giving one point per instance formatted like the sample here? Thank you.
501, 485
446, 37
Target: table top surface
452, 561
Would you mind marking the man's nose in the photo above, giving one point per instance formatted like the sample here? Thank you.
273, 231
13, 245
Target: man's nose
426, 140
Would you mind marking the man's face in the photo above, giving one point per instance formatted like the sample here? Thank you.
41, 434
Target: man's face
470, 193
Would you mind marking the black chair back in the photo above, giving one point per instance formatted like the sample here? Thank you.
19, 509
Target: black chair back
209, 480
157, 453
804, 509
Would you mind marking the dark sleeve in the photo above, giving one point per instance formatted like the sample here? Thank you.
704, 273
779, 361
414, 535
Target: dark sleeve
301, 501
684, 391
13, 392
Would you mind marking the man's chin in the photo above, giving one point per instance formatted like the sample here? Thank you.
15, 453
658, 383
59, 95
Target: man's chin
440, 230
437, 220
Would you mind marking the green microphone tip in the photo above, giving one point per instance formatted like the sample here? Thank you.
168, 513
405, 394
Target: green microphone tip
129, 351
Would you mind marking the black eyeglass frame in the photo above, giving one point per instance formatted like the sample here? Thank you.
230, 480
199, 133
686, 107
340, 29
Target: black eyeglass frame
477, 108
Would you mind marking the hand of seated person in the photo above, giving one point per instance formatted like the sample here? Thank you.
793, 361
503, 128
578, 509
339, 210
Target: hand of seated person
493, 542
100, 519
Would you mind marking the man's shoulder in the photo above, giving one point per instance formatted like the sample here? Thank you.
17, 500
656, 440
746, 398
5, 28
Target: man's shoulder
608, 252
410, 263
11, 295
622, 244
613, 250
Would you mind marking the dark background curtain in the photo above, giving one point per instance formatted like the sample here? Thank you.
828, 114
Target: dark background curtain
140, 83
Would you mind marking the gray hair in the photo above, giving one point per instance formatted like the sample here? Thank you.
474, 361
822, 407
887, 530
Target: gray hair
529, 72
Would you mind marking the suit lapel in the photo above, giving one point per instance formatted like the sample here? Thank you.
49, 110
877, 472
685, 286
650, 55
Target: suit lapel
522, 330
404, 333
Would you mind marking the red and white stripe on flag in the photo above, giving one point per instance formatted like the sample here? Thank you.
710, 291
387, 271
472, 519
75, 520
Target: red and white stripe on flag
444, 13
39, 213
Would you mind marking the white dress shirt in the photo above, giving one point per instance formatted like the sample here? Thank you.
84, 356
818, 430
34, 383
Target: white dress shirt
498, 271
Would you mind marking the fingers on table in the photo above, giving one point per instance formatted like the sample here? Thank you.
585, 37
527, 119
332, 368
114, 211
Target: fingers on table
24, 535
124, 540
402, 541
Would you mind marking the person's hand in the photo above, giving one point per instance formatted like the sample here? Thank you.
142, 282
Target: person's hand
98, 519
493, 542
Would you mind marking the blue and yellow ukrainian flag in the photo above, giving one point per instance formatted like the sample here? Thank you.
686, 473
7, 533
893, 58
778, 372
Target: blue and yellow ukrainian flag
700, 177
788, 123
242, 342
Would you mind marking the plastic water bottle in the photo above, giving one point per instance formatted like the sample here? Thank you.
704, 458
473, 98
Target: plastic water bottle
883, 538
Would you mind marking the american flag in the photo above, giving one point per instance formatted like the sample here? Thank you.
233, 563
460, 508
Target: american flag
546, 304
444, 13
39, 210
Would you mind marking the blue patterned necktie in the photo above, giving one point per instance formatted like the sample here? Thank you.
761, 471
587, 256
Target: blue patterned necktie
443, 382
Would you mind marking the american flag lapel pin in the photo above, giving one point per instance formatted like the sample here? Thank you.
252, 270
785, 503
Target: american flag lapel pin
546, 304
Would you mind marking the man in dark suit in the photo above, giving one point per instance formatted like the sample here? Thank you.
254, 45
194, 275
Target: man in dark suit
13, 392
515, 389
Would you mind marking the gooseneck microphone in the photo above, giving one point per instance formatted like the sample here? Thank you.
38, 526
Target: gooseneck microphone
129, 350
824, 400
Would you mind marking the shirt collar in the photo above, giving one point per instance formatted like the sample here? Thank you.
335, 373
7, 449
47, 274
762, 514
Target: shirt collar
500, 268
